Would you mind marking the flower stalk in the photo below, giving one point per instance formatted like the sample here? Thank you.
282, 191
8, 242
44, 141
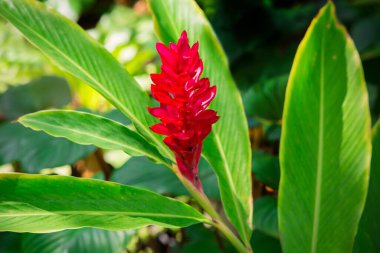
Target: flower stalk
217, 220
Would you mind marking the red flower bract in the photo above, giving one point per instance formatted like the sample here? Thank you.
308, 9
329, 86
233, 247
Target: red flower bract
183, 98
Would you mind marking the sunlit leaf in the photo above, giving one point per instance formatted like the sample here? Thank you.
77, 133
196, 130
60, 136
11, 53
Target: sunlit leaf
325, 143
90, 129
35, 203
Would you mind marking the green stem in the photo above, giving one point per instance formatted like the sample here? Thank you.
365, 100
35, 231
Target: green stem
232, 238
217, 222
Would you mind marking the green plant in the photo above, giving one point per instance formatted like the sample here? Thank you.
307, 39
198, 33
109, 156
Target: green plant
325, 144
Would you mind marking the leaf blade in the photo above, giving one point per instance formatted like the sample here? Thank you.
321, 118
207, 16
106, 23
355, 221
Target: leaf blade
75, 241
369, 228
141, 172
90, 129
265, 216
30, 199
37, 150
325, 145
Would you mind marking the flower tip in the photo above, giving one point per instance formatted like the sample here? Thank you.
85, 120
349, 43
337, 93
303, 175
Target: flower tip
159, 46
195, 47
183, 39
162, 50
184, 34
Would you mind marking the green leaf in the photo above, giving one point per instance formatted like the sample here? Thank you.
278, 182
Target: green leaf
75, 51
367, 238
202, 240
227, 149
265, 216
90, 129
10, 242
266, 168
263, 243
36, 203
265, 100
43, 93
272, 132
118, 116
84, 240
139, 171
325, 146
37, 150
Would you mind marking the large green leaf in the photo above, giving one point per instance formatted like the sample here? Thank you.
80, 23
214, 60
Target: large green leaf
325, 147
36, 150
90, 129
36, 203
203, 240
39, 94
266, 168
263, 243
10, 242
227, 148
367, 239
265, 216
84, 240
139, 171
265, 100
75, 51
117, 116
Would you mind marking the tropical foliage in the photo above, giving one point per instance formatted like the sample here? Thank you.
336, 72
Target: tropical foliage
288, 164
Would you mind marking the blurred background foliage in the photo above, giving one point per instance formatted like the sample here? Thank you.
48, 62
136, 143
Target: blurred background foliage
260, 38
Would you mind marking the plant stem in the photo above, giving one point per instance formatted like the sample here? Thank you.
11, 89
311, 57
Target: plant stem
232, 238
217, 222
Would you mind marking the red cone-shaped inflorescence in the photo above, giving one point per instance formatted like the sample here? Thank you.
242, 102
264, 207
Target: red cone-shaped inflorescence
183, 98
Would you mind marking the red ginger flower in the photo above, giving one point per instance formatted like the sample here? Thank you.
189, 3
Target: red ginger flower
183, 97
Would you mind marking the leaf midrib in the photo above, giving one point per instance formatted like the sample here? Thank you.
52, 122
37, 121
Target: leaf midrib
232, 186
125, 109
121, 144
317, 202
100, 213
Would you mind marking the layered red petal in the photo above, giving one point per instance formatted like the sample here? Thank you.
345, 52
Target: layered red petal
184, 98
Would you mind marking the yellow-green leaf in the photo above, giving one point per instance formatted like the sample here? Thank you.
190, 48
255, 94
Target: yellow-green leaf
89, 129
38, 203
325, 145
